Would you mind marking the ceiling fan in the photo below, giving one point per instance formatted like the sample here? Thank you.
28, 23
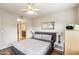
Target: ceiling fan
30, 10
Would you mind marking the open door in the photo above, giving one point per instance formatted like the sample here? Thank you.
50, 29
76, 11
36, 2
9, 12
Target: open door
21, 29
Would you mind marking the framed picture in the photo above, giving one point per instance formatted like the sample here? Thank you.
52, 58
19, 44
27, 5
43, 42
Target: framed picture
48, 25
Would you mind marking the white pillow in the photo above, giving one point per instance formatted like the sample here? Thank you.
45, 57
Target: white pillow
46, 37
43, 36
38, 36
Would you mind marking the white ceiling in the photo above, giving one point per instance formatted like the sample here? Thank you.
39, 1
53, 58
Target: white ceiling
45, 8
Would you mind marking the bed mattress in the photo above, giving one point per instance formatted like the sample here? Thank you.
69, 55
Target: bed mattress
32, 46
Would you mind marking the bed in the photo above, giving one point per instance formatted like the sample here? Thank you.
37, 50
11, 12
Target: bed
42, 43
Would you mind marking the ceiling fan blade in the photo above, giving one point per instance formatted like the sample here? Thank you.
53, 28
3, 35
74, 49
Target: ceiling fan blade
30, 10
29, 7
23, 9
36, 9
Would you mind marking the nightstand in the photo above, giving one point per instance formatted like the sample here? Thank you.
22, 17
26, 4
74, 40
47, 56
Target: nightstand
58, 48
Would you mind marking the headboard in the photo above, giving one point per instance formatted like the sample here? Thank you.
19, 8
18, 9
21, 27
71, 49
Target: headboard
53, 38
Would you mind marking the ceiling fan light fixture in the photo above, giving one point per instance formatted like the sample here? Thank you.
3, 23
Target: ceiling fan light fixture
30, 12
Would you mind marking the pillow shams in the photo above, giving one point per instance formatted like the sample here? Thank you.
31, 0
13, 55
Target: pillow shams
43, 36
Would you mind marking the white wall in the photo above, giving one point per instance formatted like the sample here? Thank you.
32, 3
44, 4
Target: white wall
62, 18
29, 28
78, 14
0, 29
8, 28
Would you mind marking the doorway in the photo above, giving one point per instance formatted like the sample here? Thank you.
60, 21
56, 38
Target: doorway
21, 29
